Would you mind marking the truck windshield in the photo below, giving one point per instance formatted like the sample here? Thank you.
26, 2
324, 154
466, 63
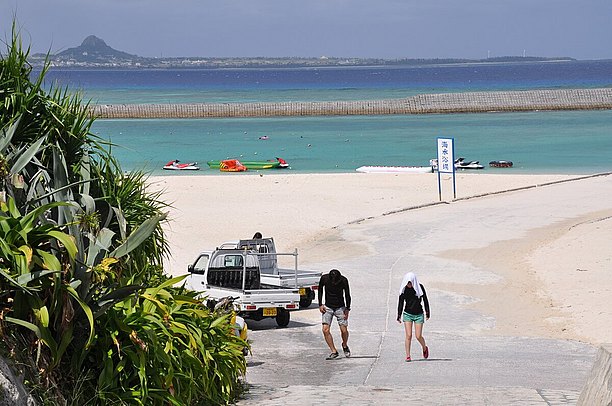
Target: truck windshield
200, 266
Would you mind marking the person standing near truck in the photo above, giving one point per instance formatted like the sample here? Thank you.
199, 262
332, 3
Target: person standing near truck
335, 289
410, 310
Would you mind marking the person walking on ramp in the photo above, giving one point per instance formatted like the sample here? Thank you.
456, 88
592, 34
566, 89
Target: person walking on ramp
411, 294
335, 287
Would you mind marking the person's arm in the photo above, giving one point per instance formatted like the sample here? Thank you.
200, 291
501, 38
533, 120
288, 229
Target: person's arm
400, 306
320, 293
425, 302
347, 295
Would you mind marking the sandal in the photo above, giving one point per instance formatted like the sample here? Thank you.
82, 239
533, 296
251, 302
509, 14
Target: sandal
333, 355
426, 352
408, 359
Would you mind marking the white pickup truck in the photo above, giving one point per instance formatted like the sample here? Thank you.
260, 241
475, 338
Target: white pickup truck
306, 281
236, 272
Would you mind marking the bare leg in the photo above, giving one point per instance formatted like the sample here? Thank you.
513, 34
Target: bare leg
345, 335
328, 338
408, 328
418, 333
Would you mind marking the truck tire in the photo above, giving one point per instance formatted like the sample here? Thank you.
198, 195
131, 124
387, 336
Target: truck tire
282, 318
305, 302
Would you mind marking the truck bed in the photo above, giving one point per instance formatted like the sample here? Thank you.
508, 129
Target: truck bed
286, 278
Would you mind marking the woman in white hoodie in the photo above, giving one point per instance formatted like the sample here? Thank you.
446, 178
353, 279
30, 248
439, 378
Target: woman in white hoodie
410, 311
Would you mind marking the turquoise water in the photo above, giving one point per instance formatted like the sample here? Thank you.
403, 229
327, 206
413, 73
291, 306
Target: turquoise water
537, 142
577, 142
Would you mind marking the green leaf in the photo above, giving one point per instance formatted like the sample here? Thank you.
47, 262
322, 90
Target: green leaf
101, 241
117, 295
26, 156
15, 283
86, 310
166, 284
7, 135
137, 237
50, 261
88, 202
25, 279
220, 320
42, 315
12, 208
32, 327
27, 222
66, 240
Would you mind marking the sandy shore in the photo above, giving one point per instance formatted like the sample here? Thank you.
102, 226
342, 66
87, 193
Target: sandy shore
302, 210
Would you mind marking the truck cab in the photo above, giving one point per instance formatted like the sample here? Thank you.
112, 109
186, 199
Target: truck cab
234, 272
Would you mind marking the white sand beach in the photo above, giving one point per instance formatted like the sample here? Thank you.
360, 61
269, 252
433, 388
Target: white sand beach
302, 210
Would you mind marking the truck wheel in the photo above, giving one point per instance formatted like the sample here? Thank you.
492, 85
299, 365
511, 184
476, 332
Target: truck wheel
305, 302
282, 318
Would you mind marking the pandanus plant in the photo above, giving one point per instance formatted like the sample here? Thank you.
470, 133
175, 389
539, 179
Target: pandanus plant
81, 254
46, 168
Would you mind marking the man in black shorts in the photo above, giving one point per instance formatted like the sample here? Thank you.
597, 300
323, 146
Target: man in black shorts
335, 287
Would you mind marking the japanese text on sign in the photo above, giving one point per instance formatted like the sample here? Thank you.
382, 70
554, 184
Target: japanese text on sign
446, 157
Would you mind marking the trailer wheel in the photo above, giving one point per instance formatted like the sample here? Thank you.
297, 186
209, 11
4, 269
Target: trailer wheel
282, 318
305, 302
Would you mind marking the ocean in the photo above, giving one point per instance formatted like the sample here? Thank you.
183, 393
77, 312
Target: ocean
576, 142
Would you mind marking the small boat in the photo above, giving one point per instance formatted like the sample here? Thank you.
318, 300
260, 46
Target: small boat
177, 166
460, 163
264, 137
255, 165
394, 169
501, 164
232, 165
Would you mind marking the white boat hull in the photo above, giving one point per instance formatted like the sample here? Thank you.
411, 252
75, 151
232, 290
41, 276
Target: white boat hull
394, 169
185, 168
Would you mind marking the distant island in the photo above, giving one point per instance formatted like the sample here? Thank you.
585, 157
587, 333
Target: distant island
95, 53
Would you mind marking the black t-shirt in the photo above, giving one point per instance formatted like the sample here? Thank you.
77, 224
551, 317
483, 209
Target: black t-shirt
412, 302
335, 294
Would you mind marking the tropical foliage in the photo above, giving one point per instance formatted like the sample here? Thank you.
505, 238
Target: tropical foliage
86, 311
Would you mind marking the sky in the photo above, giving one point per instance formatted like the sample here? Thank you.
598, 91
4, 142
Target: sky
388, 29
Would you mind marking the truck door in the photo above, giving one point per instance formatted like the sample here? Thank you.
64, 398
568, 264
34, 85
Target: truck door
195, 281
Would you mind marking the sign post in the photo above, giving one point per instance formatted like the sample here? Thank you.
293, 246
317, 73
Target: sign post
446, 162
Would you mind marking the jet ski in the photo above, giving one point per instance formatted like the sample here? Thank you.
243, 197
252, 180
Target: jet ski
460, 163
177, 166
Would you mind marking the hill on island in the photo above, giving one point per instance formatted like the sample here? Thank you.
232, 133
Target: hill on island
94, 50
